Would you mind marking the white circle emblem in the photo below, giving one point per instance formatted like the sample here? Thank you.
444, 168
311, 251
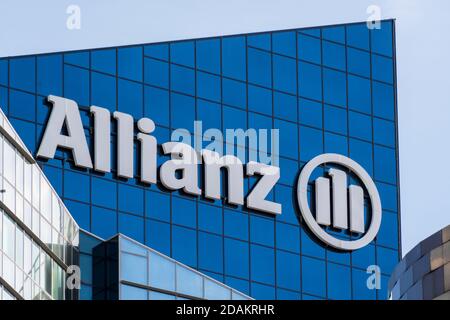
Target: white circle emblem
319, 232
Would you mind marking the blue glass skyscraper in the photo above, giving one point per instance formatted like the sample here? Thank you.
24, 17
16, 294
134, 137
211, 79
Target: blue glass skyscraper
327, 89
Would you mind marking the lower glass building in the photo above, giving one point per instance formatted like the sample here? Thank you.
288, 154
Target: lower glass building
328, 89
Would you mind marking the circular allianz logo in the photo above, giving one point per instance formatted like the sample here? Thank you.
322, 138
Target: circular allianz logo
338, 205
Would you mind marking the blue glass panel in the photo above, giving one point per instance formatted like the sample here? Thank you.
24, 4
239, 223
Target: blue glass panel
334, 33
285, 106
103, 91
388, 234
236, 258
339, 282
130, 63
234, 57
289, 169
76, 84
236, 224
4, 72
208, 86
313, 276
358, 62
360, 289
284, 74
131, 226
262, 41
54, 175
262, 292
157, 205
77, 58
131, 199
288, 270
387, 259
383, 100
133, 268
385, 165
362, 153
260, 100
26, 131
388, 195
359, 96
49, 75
311, 143
336, 143
104, 222
310, 113
4, 100
288, 295
334, 87
360, 126
156, 105
210, 252
132, 293
104, 60
76, 186
238, 284
210, 218
288, 138
80, 212
384, 132
261, 230
22, 105
182, 111
309, 81
234, 93
382, 69
335, 119
310, 246
104, 193
333, 55
182, 53
263, 264
288, 237
131, 98
184, 212
161, 272
382, 38
284, 43
364, 257
156, 72
315, 32
208, 55
309, 48
234, 118
182, 79
259, 67
184, 245
358, 36
159, 51
210, 115
157, 236
22, 73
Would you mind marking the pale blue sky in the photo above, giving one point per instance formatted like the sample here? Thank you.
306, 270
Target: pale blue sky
423, 63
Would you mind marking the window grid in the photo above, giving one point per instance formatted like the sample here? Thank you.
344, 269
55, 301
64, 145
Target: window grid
63, 165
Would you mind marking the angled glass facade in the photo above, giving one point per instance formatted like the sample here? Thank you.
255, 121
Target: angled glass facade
327, 90
38, 237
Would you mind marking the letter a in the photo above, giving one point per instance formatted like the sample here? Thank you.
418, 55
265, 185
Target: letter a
65, 111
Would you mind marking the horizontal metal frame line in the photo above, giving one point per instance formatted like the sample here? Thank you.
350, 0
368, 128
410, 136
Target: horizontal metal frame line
10, 289
168, 292
17, 145
33, 236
